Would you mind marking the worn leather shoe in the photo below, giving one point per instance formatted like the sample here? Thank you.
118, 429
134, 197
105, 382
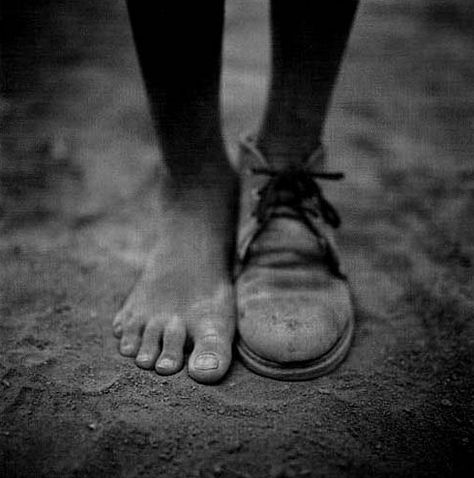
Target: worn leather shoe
296, 318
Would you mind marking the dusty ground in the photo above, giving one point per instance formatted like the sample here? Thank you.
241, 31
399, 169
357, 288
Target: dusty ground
77, 219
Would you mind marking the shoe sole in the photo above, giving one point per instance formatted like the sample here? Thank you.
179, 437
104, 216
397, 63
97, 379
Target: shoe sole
304, 370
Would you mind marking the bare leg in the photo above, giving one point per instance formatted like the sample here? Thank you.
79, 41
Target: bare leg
185, 291
308, 39
296, 318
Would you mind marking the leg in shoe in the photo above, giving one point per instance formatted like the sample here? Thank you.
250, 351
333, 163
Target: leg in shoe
185, 292
295, 311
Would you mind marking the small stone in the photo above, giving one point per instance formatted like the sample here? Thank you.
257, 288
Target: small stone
92, 426
5, 382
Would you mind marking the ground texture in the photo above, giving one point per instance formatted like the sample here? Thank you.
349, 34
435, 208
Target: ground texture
78, 155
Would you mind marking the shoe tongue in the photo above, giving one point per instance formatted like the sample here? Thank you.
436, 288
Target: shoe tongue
285, 239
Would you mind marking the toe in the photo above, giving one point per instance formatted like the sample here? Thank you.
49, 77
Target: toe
130, 340
171, 358
211, 357
150, 346
117, 324
117, 330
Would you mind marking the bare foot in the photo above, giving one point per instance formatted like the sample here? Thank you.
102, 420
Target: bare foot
185, 292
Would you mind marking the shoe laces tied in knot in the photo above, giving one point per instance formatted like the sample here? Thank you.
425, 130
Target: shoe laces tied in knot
296, 188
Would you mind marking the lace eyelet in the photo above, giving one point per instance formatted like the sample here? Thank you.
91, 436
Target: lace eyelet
302, 187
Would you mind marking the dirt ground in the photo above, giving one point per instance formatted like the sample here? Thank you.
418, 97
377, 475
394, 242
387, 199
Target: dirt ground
78, 162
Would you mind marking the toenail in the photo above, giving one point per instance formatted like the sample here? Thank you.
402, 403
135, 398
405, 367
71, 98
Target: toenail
206, 361
166, 363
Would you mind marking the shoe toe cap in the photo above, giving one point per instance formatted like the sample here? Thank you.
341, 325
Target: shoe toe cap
286, 331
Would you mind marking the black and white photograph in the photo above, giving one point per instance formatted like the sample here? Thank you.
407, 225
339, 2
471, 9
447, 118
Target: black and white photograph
236, 238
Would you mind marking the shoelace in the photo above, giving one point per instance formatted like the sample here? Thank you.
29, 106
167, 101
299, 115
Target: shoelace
298, 189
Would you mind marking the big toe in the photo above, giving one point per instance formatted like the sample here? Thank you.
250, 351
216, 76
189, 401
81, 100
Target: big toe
211, 357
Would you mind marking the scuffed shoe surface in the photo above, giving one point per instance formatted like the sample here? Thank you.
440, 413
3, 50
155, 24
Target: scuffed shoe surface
295, 312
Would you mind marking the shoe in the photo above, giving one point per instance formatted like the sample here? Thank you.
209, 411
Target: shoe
295, 314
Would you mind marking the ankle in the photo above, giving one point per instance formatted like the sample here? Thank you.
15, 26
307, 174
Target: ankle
211, 189
194, 154
287, 151
290, 150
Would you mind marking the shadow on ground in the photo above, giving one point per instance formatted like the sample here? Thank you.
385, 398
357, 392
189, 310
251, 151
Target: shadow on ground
77, 211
